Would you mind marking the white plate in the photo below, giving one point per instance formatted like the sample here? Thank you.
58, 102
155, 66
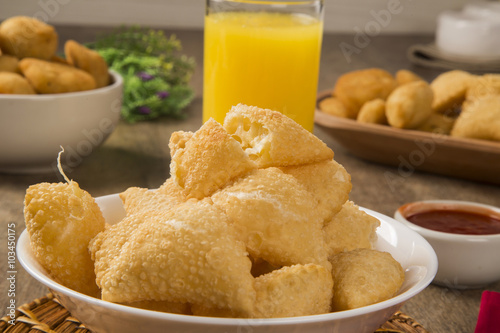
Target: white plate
413, 252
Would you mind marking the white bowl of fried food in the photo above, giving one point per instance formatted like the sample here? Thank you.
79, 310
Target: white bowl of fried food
254, 229
47, 101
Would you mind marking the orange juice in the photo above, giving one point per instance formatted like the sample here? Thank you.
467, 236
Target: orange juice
269, 60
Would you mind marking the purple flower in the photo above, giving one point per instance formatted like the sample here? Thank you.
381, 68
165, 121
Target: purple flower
145, 76
144, 110
162, 94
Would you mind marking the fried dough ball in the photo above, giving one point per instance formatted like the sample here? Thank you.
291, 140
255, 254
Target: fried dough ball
52, 78
437, 123
409, 105
276, 217
404, 76
24, 37
356, 88
362, 277
272, 139
484, 85
373, 112
210, 159
449, 89
350, 229
61, 219
328, 182
9, 63
479, 120
88, 60
187, 254
13, 83
333, 106
298, 290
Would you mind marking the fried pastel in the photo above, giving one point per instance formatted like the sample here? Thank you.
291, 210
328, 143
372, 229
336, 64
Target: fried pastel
53, 78
178, 141
276, 217
437, 123
409, 105
24, 37
333, 106
355, 88
210, 159
449, 89
61, 219
481, 86
363, 277
187, 254
13, 83
350, 229
479, 120
136, 200
404, 76
9, 63
272, 139
88, 60
328, 182
373, 112
298, 290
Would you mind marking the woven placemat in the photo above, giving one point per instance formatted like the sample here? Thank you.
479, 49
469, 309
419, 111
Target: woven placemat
47, 315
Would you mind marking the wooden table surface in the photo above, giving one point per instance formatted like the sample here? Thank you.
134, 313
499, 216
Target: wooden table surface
137, 155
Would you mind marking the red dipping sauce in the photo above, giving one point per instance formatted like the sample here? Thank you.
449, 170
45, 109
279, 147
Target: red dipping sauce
457, 222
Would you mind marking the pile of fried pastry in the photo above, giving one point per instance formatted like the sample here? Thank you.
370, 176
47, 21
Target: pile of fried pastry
455, 103
254, 221
29, 64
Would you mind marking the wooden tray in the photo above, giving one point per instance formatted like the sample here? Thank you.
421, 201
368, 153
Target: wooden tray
47, 315
411, 150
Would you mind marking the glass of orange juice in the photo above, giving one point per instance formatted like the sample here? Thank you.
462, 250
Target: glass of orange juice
262, 53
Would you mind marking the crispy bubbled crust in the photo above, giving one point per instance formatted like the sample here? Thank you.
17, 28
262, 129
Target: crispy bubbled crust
61, 219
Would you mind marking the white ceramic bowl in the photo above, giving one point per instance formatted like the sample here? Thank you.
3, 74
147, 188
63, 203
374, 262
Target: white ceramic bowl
33, 127
465, 261
411, 250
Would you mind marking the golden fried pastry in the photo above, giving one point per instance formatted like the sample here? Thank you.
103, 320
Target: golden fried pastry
187, 254
404, 76
350, 229
52, 78
210, 159
356, 88
88, 60
178, 141
328, 182
298, 290
9, 63
437, 123
13, 83
333, 106
449, 89
363, 277
276, 217
136, 200
24, 37
409, 105
484, 85
373, 112
61, 219
272, 139
479, 119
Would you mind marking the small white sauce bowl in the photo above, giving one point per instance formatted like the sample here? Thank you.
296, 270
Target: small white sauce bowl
465, 261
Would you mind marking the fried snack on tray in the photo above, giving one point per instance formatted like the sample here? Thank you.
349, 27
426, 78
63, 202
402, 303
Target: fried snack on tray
356, 88
9, 63
437, 123
88, 60
404, 76
61, 219
481, 86
13, 83
363, 277
276, 217
333, 106
52, 78
272, 139
373, 112
479, 120
24, 37
409, 105
187, 254
449, 89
